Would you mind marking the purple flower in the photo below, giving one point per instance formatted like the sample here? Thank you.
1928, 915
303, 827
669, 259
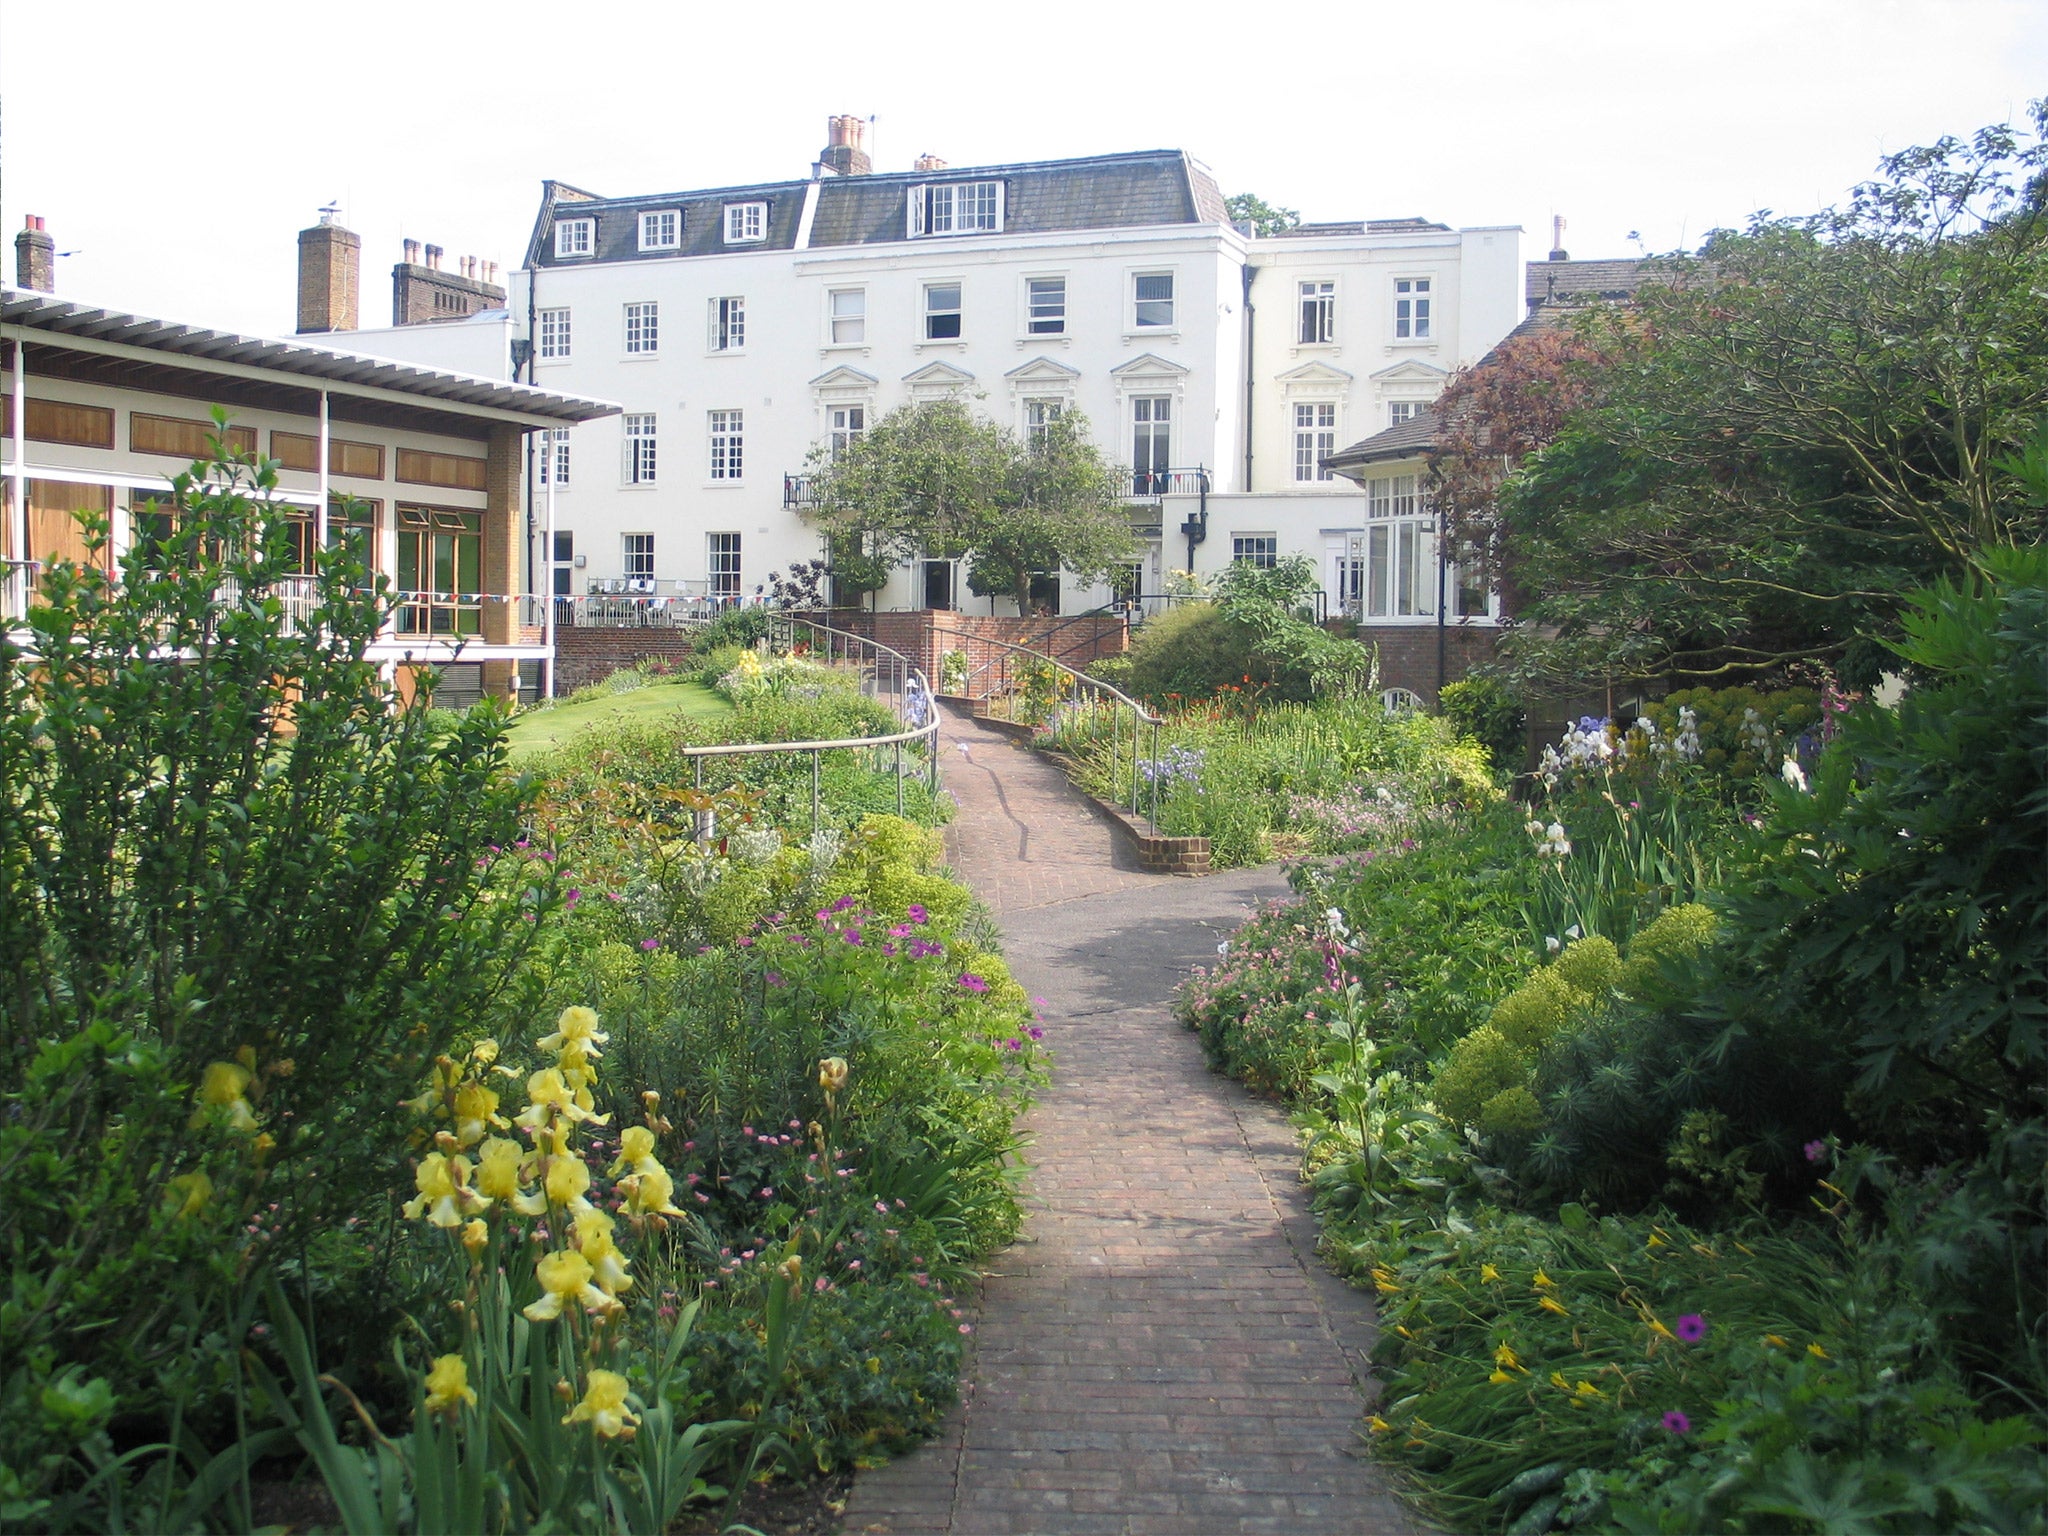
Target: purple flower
1677, 1423
650, 943
1692, 1327
842, 904
1816, 1150
916, 913
1035, 1032
888, 949
973, 983
774, 979
1013, 1044
852, 935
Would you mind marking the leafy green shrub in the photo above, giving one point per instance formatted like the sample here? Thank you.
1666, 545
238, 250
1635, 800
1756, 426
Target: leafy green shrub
1480, 1068
1742, 732
744, 628
1190, 651
245, 897
1482, 708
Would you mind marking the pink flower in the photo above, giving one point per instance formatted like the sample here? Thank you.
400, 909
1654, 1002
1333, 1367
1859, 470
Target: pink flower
1677, 1423
973, 983
1692, 1328
1816, 1150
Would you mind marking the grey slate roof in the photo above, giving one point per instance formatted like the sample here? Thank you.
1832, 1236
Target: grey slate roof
1362, 227
1555, 282
1403, 440
1149, 187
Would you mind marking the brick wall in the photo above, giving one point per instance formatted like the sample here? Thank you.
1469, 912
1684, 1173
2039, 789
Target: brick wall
329, 260
1408, 654
925, 636
584, 656
421, 295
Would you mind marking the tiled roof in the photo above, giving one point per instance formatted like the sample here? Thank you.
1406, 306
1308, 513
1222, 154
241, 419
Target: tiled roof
1553, 282
1416, 226
1150, 187
1403, 440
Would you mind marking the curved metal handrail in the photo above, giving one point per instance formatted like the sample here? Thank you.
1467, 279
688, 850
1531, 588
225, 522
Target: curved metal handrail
1141, 717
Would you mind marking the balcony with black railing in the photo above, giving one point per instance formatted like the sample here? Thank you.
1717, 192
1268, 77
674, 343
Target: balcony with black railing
1151, 485
799, 492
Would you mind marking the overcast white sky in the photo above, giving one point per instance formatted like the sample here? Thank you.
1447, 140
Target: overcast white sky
177, 148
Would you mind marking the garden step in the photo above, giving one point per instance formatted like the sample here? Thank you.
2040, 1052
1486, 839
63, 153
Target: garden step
1162, 1352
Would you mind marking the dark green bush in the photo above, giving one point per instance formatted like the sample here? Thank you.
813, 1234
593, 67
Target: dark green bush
245, 897
1480, 707
744, 627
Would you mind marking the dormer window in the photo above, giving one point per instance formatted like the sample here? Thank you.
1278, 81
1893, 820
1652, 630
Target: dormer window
575, 237
956, 208
661, 230
746, 223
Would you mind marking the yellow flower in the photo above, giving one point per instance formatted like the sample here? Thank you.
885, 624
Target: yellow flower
1661, 1331
440, 1180
1654, 1242
549, 1097
476, 1236
604, 1403
1817, 1352
1543, 1282
1777, 1341
636, 1146
189, 1192
1587, 1389
448, 1385
577, 1029
793, 1269
1500, 1377
564, 1277
1504, 1356
652, 1193
1378, 1425
1402, 1329
832, 1073
566, 1180
1488, 1274
484, 1052
1384, 1282
476, 1111
497, 1169
607, 1263
222, 1087
440, 1083
1551, 1304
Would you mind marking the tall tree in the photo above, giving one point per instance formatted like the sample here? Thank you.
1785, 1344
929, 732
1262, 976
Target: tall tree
934, 479
1264, 218
1797, 428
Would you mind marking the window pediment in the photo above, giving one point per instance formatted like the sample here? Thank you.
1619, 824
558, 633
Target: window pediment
1043, 372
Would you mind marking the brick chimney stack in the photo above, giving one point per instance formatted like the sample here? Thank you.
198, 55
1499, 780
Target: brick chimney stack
330, 261
930, 163
35, 257
846, 148
434, 254
1557, 250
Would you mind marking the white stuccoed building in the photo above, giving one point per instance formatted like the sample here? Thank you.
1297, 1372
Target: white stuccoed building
743, 326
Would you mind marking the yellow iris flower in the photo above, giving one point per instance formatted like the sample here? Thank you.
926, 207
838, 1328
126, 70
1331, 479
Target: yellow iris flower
604, 1405
1551, 1304
442, 1183
476, 1111
497, 1169
565, 1277
607, 1263
222, 1087
575, 1028
448, 1385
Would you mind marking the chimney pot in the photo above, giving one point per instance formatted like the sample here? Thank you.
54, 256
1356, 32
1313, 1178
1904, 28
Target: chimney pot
434, 254
329, 267
412, 253
846, 151
931, 163
35, 257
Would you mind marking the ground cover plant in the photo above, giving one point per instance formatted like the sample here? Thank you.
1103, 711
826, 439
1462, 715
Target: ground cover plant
1690, 1132
479, 1151
631, 693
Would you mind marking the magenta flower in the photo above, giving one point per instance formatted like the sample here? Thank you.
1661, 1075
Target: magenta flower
1692, 1328
916, 913
650, 943
973, 983
888, 949
1677, 1423
1816, 1150
852, 935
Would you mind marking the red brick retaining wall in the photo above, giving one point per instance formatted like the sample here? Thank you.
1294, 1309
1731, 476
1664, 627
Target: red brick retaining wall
584, 656
926, 635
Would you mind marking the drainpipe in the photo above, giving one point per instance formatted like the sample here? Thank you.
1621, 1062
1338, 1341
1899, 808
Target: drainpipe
17, 511
320, 507
1250, 331
1442, 570
547, 598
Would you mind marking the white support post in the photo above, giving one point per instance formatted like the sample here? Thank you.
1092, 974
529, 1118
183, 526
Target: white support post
17, 509
320, 510
547, 565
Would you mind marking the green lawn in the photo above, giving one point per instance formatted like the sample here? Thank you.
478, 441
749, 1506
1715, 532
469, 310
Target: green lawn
545, 728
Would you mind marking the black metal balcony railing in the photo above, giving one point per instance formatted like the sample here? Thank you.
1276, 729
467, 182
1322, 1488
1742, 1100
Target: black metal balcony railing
797, 492
1152, 484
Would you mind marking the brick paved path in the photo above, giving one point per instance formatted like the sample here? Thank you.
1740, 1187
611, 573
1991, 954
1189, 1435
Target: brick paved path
1161, 1352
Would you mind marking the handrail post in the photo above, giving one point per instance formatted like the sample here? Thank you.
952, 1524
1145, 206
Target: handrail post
1155, 776
899, 780
815, 753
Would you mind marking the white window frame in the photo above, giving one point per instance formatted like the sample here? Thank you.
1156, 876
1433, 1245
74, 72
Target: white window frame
846, 423
1041, 411
554, 457
1399, 411
938, 209
722, 565
1414, 319
1040, 316
555, 335
1399, 552
727, 431
636, 556
1259, 549
661, 229
844, 327
1149, 468
1315, 438
1317, 312
643, 328
1155, 326
575, 238
728, 317
642, 441
958, 311
746, 223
